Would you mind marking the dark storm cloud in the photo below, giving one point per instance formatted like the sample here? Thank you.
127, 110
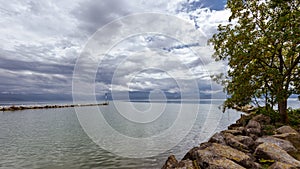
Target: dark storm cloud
32, 82
38, 67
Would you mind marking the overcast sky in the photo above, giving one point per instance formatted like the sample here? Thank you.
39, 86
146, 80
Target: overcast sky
40, 42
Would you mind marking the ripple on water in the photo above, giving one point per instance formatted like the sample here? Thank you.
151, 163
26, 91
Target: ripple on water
53, 138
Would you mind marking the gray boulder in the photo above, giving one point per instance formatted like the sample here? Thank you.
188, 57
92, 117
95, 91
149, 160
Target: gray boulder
274, 152
217, 151
285, 129
210, 160
233, 142
290, 134
224, 164
294, 138
246, 140
284, 144
253, 127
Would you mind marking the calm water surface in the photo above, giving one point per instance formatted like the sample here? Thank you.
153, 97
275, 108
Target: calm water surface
53, 138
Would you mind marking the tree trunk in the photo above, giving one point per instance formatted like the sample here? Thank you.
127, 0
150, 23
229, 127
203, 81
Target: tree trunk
282, 107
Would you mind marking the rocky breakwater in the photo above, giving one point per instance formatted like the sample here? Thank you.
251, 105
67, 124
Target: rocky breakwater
25, 107
252, 142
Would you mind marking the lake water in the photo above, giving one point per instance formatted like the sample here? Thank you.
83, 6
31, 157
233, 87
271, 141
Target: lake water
54, 138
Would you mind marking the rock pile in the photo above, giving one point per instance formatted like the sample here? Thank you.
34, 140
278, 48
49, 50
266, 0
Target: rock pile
252, 142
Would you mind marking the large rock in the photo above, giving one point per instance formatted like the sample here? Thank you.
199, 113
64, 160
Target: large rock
234, 143
232, 154
217, 138
208, 159
274, 152
170, 163
246, 140
224, 164
284, 144
285, 129
294, 138
290, 134
228, 152
253, 127
280, 165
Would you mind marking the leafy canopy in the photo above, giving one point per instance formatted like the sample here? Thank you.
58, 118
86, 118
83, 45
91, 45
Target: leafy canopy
261, 46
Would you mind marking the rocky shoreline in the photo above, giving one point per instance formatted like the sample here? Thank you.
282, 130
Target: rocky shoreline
252, 142
25, 107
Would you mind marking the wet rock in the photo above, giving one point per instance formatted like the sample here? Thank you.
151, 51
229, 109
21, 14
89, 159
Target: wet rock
217, 138
170, 163
280, 165
253, 127
285, 129
274, 152
284, 144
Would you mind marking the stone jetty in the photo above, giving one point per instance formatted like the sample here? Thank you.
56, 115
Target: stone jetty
26, 107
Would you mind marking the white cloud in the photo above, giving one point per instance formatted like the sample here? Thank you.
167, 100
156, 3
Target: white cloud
54, 33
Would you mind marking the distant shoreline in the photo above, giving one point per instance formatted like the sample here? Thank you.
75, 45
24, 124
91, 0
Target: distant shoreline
28, 107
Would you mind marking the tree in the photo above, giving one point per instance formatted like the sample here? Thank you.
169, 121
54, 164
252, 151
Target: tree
261, 44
